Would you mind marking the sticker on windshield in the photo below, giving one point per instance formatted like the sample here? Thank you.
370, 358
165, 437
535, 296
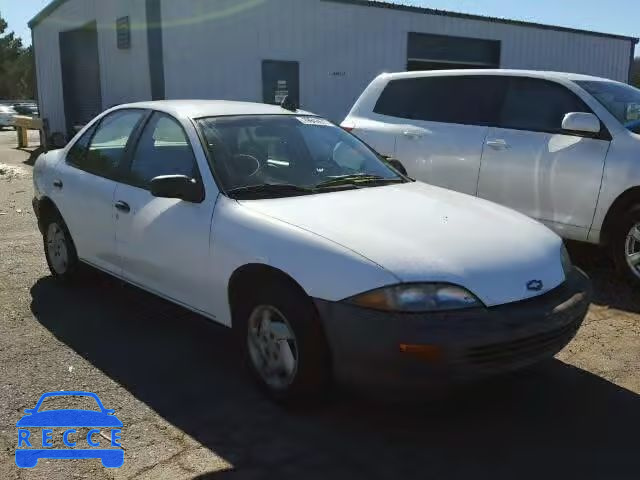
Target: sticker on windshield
320, 122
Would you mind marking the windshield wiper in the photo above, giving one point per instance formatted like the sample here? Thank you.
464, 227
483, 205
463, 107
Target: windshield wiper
358, 179
269, 190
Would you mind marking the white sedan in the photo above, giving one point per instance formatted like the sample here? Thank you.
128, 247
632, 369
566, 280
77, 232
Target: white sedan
328, 262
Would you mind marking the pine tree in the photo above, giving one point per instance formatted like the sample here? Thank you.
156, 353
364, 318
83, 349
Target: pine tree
16, 66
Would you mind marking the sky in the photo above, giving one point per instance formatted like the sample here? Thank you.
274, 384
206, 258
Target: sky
613, 16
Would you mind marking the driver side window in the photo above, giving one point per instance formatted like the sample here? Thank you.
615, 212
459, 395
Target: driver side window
163, 149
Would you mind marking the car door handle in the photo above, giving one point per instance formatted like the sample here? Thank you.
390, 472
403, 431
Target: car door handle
497, 144
58, 184
412, 135
123, 207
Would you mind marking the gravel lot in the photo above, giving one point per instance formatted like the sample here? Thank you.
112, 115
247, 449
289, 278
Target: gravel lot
189, 410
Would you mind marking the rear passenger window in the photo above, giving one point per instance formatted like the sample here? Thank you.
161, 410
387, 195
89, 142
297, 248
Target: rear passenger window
106, 147
468, 100
538, 105
163, 149
78, 151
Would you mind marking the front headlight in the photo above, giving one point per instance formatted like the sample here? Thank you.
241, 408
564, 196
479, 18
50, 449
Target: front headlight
424, 297
567, 266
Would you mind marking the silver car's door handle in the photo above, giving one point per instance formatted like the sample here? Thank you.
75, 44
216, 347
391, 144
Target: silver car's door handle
122, 206
412, 135
497, 144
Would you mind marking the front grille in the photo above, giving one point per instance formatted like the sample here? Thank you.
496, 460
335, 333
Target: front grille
519, 350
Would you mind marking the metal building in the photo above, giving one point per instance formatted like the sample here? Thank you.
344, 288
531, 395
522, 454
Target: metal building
93, 54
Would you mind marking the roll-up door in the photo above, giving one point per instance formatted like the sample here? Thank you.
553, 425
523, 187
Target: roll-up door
80, 75
440, 52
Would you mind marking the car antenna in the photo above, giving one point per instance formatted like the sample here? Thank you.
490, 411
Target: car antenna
288, 104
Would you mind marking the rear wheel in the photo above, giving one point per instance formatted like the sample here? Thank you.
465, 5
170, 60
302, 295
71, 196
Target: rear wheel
625, 245
284, 342
59, 249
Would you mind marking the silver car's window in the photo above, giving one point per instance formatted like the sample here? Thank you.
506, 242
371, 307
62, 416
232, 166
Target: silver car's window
465, 100
622, 101
537, 105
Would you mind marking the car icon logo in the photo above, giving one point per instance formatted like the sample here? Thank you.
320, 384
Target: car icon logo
29, 452
535, 285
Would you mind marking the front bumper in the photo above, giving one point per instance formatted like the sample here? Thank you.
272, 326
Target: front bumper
373, 348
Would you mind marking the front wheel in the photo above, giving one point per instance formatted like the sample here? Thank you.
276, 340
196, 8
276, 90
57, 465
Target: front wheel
284, 343
625, 245
59, 249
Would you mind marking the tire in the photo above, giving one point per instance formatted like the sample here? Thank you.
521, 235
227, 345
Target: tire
622, 243
59, 249
298, 334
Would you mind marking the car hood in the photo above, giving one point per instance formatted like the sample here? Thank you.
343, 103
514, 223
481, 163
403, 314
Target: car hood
69, 418
422, 233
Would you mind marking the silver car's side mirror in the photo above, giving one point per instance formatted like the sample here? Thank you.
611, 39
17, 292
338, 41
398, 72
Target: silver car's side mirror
581, 122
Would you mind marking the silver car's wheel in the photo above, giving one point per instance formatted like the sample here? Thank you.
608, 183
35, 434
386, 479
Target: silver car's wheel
632, 249
57, 250
272, 346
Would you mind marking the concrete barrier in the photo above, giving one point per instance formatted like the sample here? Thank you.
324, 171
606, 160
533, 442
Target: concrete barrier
23, 124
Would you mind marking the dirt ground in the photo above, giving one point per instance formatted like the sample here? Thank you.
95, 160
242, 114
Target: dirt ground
189, 410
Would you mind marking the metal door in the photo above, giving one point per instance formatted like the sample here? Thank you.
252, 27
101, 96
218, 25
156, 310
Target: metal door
80, 75
280, 79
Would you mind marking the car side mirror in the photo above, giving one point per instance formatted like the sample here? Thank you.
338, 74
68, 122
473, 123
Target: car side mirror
29, 411
397, 164
109, 411
177, 186
581, 122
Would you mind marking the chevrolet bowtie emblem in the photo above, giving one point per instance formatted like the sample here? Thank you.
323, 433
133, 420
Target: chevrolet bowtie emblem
535, 285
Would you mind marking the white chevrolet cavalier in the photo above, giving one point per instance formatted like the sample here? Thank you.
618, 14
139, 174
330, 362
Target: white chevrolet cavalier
328, 261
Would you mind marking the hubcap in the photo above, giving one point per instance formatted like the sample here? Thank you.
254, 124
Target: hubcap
632, 249
272, 346
57, 248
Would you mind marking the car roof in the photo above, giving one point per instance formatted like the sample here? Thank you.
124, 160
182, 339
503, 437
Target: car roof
211, 108
499, 72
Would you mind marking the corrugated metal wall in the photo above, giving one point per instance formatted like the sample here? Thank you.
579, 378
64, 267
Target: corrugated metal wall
214, 48
124, 73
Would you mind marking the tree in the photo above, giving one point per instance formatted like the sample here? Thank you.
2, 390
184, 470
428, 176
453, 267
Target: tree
16, 66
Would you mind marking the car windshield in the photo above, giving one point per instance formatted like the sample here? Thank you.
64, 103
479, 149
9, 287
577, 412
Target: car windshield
622, 101
286, 155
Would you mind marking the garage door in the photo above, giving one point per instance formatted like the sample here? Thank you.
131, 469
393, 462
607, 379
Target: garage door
439, 52
80, 75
